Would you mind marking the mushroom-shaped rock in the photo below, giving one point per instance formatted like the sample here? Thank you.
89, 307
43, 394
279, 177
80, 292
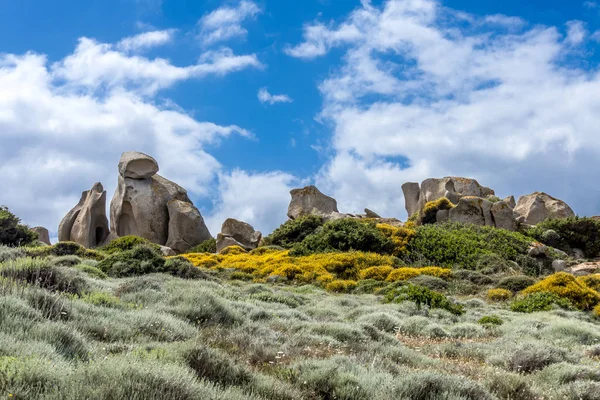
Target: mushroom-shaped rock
137, 165
43, 235
186, 226
309, 200
453, 188
537, 207
237, 233
86, 223
154, 207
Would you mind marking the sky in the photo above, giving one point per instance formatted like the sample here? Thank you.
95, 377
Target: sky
241, 101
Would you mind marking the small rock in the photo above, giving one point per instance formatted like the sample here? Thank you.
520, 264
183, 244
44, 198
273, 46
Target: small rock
578, 254
371, 214
586, 268
237, 233
559, 265
137, 165
167, 251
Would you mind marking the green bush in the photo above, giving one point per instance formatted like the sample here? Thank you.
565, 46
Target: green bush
12, 232
10, 253
141, 260
182, 268
531, 357
344, 235
64, 249
294, 231
208, 246
431, 282
125, 243
540, 301
472, 276
490, 320
493, 264
423, 296
216, 367
516, 283
91, 271
570, 233
454, 244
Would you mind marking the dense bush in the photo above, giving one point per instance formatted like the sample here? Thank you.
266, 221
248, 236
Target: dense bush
516, 283
64, 249
405, 273
401, 236
531, 357
12, 232
341, 286
294, 231
208, 246
498, 294
345, 235
490, 320
428, 214
455, 244
540, 301
10, 253
125, 243
568, 287
570, 233
431, 282
216, 367
421, 295
140, 260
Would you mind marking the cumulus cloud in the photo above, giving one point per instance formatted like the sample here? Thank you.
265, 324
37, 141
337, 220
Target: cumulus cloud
63, 126
225, 23
265, 97
260, 199
146, 40
418, 93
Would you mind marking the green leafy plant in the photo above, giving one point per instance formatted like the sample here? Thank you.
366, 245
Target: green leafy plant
540, 301
208, 246
421, 295
570, 233
12, 232
515, 283
294, 231
125, 243
490, 320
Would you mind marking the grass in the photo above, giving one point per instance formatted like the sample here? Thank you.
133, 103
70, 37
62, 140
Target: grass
69, 330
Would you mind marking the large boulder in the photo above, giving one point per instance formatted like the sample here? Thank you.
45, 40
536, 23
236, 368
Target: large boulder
43, 234
86, 223
537, 207
146, 204
237, 233
310, 200
480, 211
453, 188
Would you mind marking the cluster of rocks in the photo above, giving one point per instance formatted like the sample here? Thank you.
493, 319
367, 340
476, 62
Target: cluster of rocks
145, 204
237, 233
477, 204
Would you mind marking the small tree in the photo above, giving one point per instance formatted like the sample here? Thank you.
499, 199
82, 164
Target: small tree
12, 232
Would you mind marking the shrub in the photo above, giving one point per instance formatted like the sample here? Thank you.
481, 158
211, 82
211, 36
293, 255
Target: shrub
567, 286
428, 214
490, 320
452, 243
596, 311
294, 231
531, 357
64, 249
511, 386
492, 264
432, 385
182, 268
10, 253
12, 233
516, 283
423, 296
540, 301
91, 271
472, 276
216, 367
570, 233
498, 294
379, 273
401, 236
126, 243
403, 274
431, 282
208, 246
341, 286
141, 260
345, 235
591, 281
66, 261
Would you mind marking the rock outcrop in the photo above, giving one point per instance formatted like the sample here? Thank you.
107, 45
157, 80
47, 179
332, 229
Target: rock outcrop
86, 223
237, 233
310, 201
146, 204
453, 188
43, 234
537, 207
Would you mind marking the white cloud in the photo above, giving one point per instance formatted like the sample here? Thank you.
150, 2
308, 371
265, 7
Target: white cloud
226, 22
265, 97
505, 20
260, 199
146, 40
590, 4
60, 133
417, 95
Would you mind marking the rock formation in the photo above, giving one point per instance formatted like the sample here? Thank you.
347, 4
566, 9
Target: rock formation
86, 223
43, 235
237, 233
310, 200
146, 204
453, 188
536, 207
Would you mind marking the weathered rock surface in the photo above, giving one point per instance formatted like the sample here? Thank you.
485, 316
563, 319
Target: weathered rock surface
237, 233
536, 207
86, 223
310, 201
154, 207
586, 268
137, 165
453, 188
371, 214
480, 211
43, 234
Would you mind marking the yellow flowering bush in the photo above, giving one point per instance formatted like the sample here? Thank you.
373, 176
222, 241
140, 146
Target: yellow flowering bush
567, 286
399, 235
405, 273
591, 281
341, 286
377, 273
596, 311
498, 294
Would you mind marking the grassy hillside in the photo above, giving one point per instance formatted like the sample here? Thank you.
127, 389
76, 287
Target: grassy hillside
438, 312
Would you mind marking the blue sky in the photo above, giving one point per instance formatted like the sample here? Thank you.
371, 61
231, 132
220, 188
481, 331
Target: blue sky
240, 101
